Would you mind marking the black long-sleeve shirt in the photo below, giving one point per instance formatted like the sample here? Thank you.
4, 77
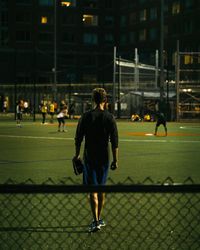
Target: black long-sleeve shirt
98, 127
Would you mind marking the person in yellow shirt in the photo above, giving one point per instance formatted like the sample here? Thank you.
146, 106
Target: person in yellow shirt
44, 112
51, 111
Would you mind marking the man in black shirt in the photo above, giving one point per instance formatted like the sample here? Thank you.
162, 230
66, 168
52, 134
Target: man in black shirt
97, 126
160, 121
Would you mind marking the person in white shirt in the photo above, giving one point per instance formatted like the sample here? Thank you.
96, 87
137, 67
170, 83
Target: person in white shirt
61, 118
19, 113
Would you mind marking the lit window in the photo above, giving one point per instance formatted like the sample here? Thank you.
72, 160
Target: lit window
65, 3
68, 3
188, 59
44, 20
176, 8
90, 20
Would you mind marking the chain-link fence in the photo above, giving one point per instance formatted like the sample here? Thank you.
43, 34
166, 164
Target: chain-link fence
137, 216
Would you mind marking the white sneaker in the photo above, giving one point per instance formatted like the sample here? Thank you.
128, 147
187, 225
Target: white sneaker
102, 223
94, 227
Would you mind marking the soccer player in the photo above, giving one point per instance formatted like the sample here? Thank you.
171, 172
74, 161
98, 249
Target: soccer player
160, 121
97, 126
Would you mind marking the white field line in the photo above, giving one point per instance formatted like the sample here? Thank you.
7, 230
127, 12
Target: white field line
36, 137
121, 139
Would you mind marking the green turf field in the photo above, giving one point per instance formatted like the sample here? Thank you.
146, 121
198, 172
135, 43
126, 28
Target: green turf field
40, 152
134, 220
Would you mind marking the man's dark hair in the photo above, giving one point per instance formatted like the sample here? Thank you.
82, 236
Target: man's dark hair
99, 95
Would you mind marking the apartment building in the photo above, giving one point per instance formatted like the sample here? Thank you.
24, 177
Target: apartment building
77, 37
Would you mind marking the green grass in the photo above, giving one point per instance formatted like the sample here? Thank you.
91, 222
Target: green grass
134, 220
39, 152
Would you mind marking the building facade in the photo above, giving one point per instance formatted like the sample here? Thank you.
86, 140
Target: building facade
72, 41
83, 34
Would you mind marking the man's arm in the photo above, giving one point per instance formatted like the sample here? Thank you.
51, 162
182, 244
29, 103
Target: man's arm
114, 143
114, 163
78, 138
77, 151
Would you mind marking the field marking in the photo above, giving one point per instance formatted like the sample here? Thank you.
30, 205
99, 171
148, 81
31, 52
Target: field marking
121, 140
149, 134
171, 134
36, 137
189, 127
163, 141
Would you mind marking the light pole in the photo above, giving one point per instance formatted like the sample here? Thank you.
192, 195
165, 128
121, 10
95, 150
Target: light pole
114, 78
161, 49
55, 52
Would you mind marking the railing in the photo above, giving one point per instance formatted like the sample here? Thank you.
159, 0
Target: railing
138, 216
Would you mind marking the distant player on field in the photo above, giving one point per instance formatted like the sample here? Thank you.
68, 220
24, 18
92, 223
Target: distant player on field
19, 111
160, 121
61, 118
98, 127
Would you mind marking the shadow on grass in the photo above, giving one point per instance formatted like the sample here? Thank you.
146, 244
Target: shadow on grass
80, 229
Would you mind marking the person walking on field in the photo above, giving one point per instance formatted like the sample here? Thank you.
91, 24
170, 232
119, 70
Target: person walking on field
98, 127
160, 121
19, 110
61, 118
44, 112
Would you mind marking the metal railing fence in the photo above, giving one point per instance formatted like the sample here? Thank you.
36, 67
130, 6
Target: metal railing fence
138, 216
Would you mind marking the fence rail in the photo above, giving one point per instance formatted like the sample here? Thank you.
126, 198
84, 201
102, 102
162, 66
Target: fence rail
138, 216
137, 188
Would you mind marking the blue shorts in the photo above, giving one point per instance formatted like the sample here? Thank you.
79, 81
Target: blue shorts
97, 175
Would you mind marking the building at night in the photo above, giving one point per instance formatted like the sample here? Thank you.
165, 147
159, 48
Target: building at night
47, 41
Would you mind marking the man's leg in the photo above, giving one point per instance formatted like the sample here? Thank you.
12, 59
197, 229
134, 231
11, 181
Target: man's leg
101, 201
165, 130
59, 124
156, 129
43, 118
94, 205
63, 125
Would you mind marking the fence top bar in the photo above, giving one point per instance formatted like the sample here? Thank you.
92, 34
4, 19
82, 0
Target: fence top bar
139, 188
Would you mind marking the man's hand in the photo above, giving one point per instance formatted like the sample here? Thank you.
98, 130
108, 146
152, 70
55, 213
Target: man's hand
114, 165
